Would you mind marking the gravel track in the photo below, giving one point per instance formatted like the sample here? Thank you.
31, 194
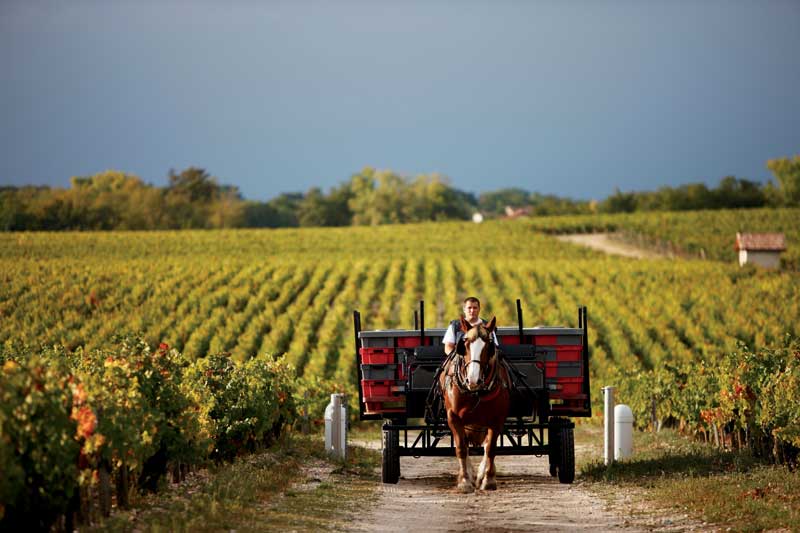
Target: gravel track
527, 499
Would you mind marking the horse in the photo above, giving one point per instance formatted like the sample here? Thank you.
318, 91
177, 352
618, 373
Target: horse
475, 386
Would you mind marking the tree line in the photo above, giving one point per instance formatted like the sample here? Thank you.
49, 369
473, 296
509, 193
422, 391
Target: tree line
195, 199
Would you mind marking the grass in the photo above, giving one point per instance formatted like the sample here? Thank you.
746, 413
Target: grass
295, 486
291, 486
731, 490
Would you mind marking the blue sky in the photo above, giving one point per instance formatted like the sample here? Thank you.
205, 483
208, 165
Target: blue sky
569, 98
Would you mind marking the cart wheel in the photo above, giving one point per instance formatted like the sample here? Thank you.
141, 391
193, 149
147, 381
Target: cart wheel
390, 458
554, 453
566, 463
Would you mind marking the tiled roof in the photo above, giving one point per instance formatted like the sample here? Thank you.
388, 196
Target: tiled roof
761, 241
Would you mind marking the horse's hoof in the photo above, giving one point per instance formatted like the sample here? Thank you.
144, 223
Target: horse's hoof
466, 487
489, 485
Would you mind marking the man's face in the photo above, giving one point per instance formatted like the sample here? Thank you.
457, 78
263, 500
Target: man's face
471, 311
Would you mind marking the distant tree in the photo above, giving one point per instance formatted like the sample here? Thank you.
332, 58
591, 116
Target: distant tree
787, 173
553, 205
317, 209
188, 198
227, 209
430, 197
733, 192
362, 200
195, 183
619, 202
339, 213
313, 209
9, 208
261, 215
286, 206
495, 202
697, 196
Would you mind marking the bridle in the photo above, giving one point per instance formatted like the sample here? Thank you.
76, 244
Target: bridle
486, 383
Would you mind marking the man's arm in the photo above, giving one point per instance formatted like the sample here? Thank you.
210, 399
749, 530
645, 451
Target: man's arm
449, 340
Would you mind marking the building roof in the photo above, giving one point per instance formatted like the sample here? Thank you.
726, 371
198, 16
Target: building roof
773, 242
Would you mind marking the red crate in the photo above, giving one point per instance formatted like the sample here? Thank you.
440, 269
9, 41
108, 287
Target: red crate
380, 390
551, 370
567, 389
408, 342
569, 353
377, 356
545, 340
393, 406
508, 339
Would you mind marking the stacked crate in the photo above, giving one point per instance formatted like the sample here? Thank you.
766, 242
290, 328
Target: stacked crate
382, 381
563, 372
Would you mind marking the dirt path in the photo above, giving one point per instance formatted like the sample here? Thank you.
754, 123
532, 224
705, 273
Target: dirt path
527, 499
605, 242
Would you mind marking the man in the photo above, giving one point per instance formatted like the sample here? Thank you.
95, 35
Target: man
472, 309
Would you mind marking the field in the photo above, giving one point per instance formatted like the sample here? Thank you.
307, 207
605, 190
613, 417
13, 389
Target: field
292, 292
698, 344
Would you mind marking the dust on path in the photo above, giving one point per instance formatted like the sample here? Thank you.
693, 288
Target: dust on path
606, 242
526, 499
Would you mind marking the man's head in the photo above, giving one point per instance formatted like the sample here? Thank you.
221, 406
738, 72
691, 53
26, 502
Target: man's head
472, 308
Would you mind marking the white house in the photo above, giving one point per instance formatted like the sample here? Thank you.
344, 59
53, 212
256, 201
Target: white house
762, 249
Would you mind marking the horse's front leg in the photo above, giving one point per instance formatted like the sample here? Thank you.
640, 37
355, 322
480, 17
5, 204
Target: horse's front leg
465, 482
486, 472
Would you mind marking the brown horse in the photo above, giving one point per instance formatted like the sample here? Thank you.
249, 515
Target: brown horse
475, 387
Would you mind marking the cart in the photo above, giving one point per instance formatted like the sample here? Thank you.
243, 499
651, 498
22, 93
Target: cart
550, 367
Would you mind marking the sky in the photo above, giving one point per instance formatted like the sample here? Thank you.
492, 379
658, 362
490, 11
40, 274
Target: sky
574, 98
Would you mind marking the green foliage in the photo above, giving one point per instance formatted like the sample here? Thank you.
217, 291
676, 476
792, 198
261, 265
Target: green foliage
754, 391
38, 450
194, 199
64, 416
787, 172
247, 403
731, 193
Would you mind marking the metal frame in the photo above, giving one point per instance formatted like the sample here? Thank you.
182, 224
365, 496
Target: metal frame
518, 438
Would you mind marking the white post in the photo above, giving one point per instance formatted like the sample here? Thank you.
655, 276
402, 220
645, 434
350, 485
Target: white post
342, 426
336, 427
608, 395
623, 432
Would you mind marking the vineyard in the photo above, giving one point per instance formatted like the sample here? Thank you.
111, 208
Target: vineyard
707, 234
694, 343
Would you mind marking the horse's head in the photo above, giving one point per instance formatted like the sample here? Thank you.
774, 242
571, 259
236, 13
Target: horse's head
477, 348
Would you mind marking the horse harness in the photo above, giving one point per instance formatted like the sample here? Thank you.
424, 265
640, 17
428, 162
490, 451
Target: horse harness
455, 376
433, 402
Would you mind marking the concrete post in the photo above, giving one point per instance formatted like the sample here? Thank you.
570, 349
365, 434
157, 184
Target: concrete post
336, 427
623, 432
608, 414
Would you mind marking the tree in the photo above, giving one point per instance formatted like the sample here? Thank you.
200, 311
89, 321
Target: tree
787, 172
619, 202
338, 204
286, 206
495, 202
362, 199
733, 192
313, 210
188, 198
195, 183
